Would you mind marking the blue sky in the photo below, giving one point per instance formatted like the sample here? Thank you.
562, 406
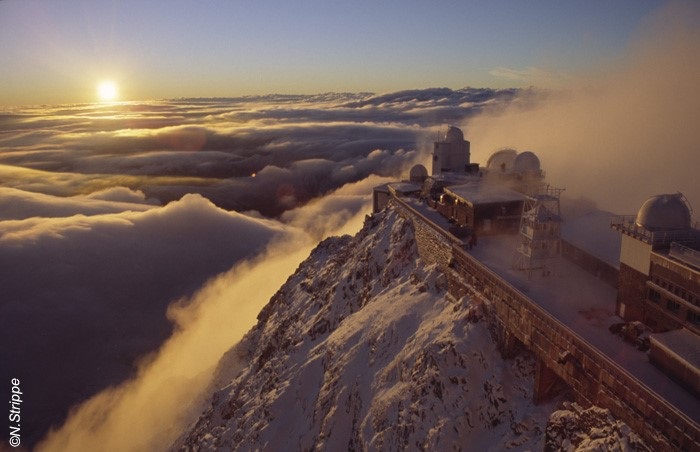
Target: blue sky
58, 51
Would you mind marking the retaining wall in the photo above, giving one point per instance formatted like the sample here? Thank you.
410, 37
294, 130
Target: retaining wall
592, 376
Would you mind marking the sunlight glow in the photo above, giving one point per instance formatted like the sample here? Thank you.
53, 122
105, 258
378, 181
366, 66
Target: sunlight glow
107, 91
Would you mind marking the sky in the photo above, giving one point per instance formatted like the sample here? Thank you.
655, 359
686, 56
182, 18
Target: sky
58, 52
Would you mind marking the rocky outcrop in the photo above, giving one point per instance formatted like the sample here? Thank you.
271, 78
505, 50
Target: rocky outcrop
576, 429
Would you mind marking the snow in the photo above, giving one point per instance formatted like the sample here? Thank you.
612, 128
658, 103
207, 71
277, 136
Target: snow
575, 429
363, 349
404, 187
478, 192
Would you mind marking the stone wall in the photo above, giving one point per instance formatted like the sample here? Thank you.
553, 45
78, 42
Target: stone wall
592, 376
432, 243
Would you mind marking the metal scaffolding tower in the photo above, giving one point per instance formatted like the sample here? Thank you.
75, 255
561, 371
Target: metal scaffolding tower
540, 231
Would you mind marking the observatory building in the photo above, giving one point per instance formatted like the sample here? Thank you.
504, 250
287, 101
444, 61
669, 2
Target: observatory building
654, 263
659, 281
473, 199
452, 154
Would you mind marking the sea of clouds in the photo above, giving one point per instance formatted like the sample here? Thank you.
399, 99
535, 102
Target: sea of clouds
138, 241
113, 217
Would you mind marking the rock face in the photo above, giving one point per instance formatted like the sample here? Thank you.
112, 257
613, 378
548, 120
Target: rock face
362, 349
576, 429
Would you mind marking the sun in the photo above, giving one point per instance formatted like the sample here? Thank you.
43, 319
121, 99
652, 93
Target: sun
107, 91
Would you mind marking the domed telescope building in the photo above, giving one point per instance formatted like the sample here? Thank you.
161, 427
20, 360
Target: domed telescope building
659, 281
452, 154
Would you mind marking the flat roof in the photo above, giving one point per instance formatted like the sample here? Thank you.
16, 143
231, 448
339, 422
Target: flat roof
404, 187
384, 188
689, 256
682, 343
591, 232
484, 192
587, 305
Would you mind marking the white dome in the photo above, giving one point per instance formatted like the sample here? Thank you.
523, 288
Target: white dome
526, 162
418, 173
664, 213
502, 160
454, 135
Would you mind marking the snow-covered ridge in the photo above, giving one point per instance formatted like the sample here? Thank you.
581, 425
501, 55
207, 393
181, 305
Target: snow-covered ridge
362, 349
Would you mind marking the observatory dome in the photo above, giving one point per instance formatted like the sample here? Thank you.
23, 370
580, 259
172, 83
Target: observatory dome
454, 135
664, 213
502, 160
526, 162
418, 174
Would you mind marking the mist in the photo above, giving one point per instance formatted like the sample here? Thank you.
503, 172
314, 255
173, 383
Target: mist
620, 133
151, 410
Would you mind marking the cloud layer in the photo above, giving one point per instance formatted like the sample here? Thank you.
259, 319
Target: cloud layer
85, 297
298, 147
111, 220
168, 389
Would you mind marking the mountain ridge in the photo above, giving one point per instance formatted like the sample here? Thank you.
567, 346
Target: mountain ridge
363, 349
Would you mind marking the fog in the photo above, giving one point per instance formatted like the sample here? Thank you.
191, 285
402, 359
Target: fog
85, 297
619, 134
151, 410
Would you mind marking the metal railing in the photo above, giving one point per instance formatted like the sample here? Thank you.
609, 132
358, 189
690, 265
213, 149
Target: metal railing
685, 254
627, 225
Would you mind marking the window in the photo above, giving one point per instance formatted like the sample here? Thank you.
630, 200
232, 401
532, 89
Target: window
693, 317
654, 296
673, 306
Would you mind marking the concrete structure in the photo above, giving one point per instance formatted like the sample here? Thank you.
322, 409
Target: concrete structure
481, 207
659, 282
589, 242
383, 193
520, 171
657, 277
452, 154
678, 354
527, 164
418, 174
380, 197
502, 161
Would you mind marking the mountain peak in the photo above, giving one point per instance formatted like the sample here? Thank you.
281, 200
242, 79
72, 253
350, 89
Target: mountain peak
362, 348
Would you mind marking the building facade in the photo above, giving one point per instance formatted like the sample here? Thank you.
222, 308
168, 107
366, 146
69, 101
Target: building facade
659, 281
